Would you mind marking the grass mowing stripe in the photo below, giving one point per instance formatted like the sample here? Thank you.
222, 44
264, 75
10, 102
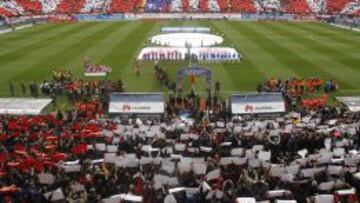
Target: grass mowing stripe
123, 53
68, 52
43, 44
292, 57
248, 67
25, 33
28, 42
325, 50
32, 66
259, 49
223, 72
21, 38
263, 48
322, 62
328, 30
106, 47
120, 30
146, 81
342, 38
321, 32
114, 52
16, 67
31, 40
244, 68
338, 35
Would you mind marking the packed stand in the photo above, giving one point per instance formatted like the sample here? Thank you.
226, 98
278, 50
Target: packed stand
121, 6
335, 7
196, 153
296, 6
302, 7
33, 7
267, 6
223, 5
176, 6
213, 6
245, 6
49, 6
83, 156
5, 13
70, 6
352, 8
10, 8
301, 92
185, 4
96, 6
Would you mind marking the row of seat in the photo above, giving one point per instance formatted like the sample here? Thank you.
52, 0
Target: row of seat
4, 12
10, 8
243, 6
18, 7
123, 6
297, 6
31, 6
70, 6
352, 8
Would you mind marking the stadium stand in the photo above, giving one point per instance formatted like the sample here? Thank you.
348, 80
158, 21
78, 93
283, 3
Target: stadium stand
317, 6
204, 5
85, 156
194, 5
308, 153
18, 7
213, 6
70, 6
96, 6
167, 6
176, 6
151, 6
352, 8
296, 6
10, 8
267, 5
246, 6
122, 6
160, 6
223, 5
4, 12
185, 5
49, 6
335, 7
33, 7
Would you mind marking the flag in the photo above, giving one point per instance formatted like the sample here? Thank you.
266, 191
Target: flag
192, 79
202, 104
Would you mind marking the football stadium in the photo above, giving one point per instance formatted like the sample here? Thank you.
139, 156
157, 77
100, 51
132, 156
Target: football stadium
180, 101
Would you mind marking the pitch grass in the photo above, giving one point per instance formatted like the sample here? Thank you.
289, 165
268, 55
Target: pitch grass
270, 49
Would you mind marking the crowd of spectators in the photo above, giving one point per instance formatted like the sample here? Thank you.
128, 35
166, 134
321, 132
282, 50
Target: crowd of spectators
197, 152
84, 156
301, 92
64, 84
11, 8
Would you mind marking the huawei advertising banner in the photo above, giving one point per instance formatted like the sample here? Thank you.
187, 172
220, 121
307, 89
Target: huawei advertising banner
257, 103
137, 103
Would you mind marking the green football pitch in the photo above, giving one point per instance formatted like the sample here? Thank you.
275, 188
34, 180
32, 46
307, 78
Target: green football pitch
269, 49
